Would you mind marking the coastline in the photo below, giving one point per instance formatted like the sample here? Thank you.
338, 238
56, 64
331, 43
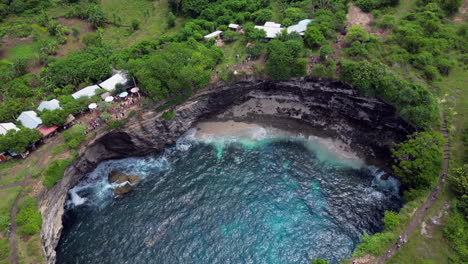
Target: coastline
329, 108
215, 129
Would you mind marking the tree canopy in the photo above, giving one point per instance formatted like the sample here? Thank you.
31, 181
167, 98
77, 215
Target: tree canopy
178, 69
418, 160
18, 141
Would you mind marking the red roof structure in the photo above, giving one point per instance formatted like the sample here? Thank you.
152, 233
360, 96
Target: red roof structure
47, 130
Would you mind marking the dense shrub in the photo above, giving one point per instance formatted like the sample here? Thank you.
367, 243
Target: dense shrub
456, 229
375, 244
19, 141
55, 171
283, 59
4, 248
178, 69
168, 115
55, 117
414, 101
90, 65
369, 5
418, 160
115, 124
28, 219
74, 135
391, 221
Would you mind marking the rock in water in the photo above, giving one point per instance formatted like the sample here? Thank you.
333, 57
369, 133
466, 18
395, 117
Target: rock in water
123, 189
117, 176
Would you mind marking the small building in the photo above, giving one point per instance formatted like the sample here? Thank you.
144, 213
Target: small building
47, 131
29, 119
216, 35
4, 127
49, 105
271, 28
234, 27
305, 22
118, 78
86, 92
300, 27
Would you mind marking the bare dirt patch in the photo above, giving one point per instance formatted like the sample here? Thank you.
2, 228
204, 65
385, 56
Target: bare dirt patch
10, 42
73, 43
358, 17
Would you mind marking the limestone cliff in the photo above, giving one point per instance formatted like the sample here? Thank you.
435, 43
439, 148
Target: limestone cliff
328, 107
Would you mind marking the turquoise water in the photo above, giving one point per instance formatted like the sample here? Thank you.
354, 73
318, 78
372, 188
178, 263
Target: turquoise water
275, 200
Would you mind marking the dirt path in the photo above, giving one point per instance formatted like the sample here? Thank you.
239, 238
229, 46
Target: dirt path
422, 210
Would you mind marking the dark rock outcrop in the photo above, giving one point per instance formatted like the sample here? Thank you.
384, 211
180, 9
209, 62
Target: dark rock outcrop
126, 180
328, 107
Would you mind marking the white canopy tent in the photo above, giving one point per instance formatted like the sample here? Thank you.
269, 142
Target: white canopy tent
87, 91
4, 127
50, 105
92, 106
29, 119
118, 78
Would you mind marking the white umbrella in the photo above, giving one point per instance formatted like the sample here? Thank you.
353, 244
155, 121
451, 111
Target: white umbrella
122, 95
92, 106
135, 90
109, 99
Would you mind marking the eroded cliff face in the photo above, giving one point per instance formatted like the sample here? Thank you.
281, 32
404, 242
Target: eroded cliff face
331, 108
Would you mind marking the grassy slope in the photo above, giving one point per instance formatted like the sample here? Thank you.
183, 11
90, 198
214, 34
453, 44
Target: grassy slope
6, 202
427, 249
150, 27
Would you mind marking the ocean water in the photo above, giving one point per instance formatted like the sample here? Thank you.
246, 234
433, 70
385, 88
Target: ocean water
268, 199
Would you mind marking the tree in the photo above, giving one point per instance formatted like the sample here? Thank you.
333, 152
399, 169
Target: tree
96, 16
391, 220
325, 50
459, 181
294, 13
11, 108
279, 60
451, 6
171, 18
230, 35
135, 24
19, 141
261, 16
92, 39
55, 117
418, 160
313, 37
253, 34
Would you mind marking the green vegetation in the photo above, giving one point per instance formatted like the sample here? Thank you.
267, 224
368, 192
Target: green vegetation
8, 197
420, 57
28, 219
18, 141
414, 100
115, 124
177, 70
418, 160
319, 261
4, 250
168, 115
74, 136
55, 171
